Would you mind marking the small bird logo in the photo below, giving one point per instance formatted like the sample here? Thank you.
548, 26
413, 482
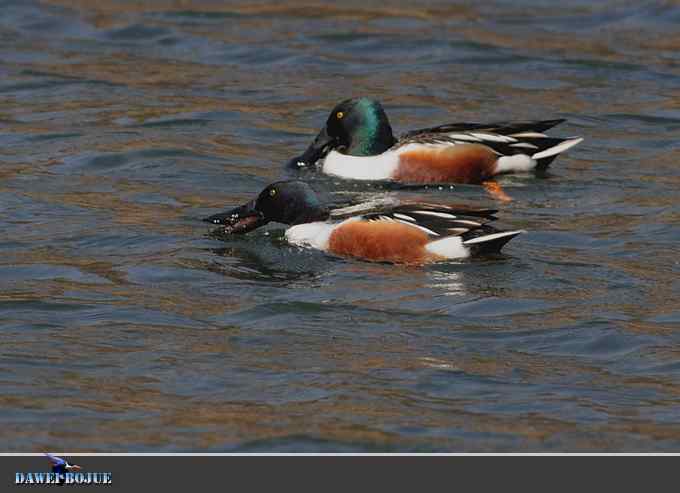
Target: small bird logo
61, 466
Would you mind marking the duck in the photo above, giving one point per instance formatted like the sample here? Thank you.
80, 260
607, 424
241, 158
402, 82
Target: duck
357, 142
397, 233
60, 465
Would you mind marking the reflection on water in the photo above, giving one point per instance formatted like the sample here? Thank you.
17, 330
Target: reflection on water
449, 283
127, 327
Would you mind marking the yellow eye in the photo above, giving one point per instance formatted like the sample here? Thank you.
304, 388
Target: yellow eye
272, 192
339, 114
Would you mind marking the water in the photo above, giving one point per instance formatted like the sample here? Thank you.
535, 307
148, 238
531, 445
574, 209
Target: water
125, 327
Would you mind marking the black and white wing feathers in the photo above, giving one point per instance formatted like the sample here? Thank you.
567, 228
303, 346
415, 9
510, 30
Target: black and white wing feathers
504, 138
501, 128
437, 221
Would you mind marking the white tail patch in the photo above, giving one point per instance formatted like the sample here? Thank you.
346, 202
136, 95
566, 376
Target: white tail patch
561, 147
449, 247
518, 162
493, 236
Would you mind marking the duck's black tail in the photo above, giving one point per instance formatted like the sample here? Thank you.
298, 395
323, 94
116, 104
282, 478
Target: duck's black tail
491, 243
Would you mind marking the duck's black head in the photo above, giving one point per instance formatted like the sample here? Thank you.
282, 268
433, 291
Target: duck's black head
287, 202
358, 127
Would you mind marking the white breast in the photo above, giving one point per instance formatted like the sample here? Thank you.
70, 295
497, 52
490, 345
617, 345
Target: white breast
379, 167
315, 235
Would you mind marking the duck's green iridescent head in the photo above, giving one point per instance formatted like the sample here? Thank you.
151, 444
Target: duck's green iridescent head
357, 127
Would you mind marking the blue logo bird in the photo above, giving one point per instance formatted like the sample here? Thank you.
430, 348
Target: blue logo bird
61, 466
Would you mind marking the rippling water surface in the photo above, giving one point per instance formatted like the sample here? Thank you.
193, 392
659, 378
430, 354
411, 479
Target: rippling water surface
125, 327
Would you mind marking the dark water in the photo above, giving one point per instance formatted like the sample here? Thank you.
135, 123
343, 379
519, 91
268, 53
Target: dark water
124, 327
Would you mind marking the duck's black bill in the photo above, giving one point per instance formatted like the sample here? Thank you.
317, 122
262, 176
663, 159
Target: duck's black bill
239, 220
319, 148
